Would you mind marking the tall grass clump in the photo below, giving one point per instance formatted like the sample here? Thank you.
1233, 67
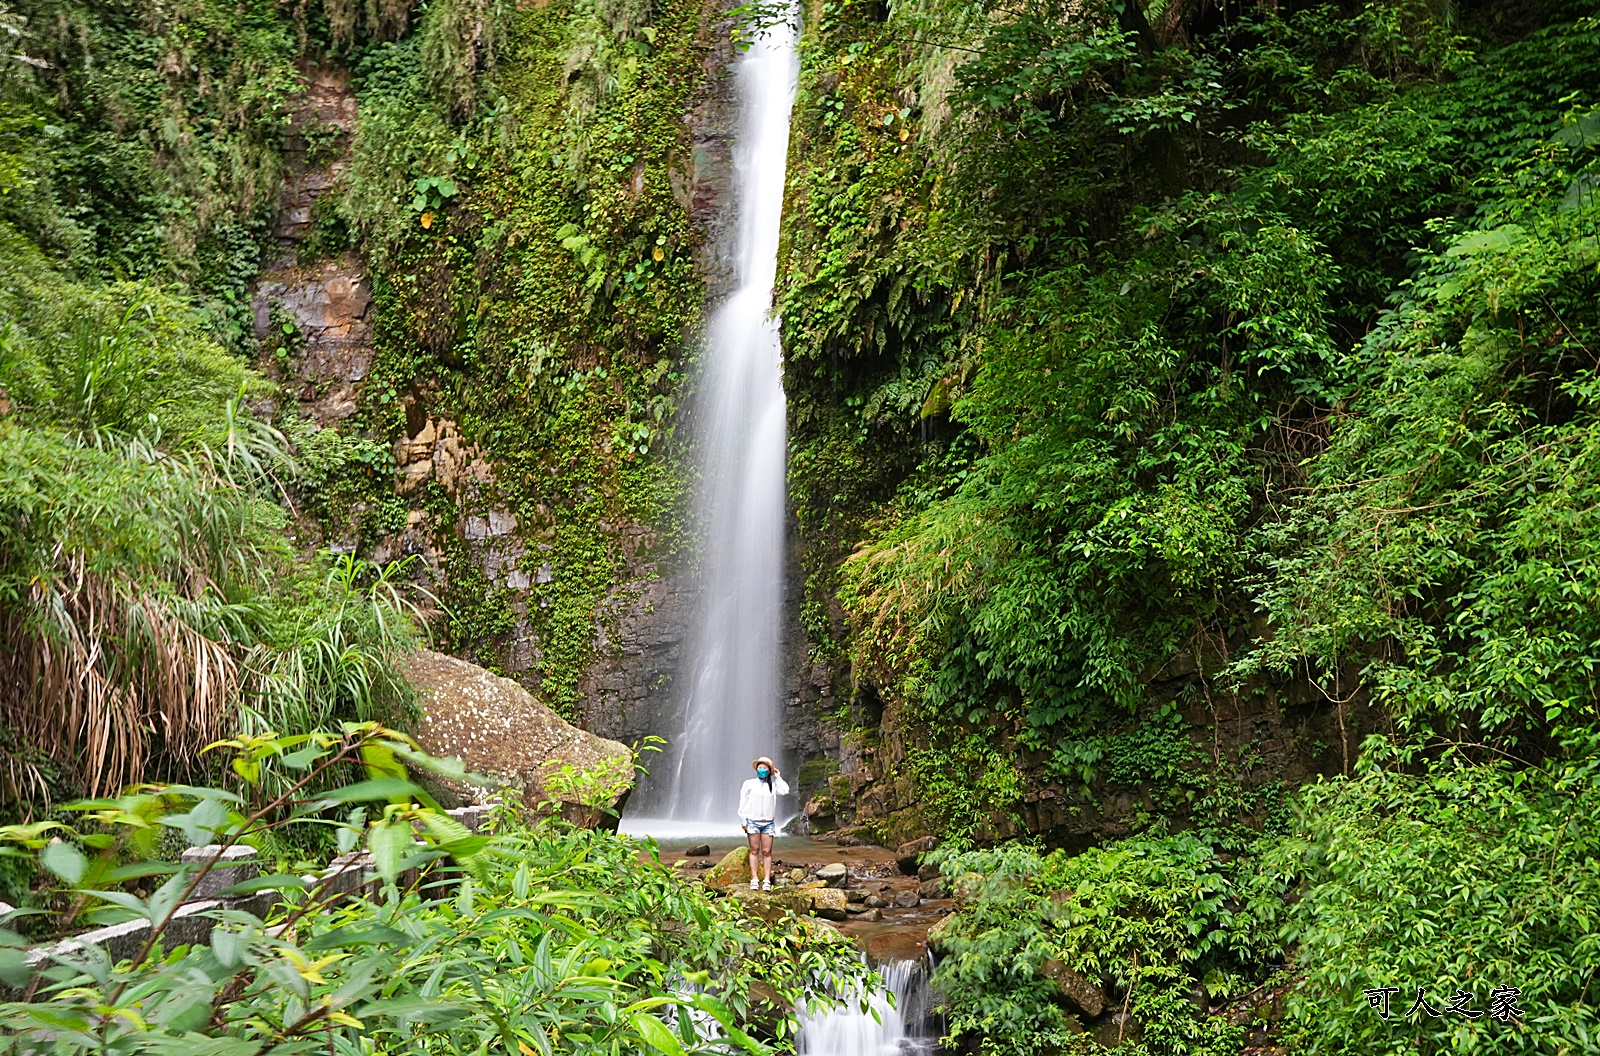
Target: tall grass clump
149, 602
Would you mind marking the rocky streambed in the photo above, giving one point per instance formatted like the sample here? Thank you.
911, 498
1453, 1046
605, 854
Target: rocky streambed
886, 900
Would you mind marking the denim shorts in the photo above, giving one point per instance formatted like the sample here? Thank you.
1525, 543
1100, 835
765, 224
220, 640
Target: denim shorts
765, 828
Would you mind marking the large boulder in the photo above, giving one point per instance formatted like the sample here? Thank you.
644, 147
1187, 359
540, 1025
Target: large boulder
834, 874
908, 854
502, 733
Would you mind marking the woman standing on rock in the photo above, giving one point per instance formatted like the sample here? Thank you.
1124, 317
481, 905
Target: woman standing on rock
758, 811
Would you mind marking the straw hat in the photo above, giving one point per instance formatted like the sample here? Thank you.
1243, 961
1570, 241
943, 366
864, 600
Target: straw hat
756, 763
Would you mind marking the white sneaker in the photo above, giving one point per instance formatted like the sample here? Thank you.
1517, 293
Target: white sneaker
766, 885
754, 884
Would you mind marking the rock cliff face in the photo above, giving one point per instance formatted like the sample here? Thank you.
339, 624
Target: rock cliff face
315, 314
320, 309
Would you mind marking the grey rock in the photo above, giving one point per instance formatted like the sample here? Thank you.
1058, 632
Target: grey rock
927, 871
699, 850
876, 903
907, 899
932, 888
855, 897
871, 916
834, 874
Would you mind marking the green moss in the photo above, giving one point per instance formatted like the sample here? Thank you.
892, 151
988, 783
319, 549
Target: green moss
546, 306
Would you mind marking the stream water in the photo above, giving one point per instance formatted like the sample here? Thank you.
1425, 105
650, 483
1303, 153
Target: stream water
732, 711
887, 1028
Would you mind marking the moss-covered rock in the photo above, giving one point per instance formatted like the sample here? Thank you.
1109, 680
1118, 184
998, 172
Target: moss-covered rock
732, 870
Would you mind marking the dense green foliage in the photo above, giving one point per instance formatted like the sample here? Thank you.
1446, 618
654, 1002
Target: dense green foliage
1467, 879
1256, 336
546, 302
516, 183
535, 938
1155, 916
1113, 326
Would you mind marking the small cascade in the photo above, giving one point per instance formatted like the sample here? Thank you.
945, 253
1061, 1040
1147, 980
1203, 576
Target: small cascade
900, 1027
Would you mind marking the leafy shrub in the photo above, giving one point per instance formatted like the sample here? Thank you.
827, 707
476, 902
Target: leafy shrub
149, 601
542, 939
1469, 877
1155, 917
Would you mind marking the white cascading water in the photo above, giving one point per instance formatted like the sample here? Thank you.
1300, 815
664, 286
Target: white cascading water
883, 1029
732, 711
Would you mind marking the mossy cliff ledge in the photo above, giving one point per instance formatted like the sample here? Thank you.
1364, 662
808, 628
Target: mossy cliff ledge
490, 282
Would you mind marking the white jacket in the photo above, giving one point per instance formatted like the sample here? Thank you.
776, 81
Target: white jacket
756, 803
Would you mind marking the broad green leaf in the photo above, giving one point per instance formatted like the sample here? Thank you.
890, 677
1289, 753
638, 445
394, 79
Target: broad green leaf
390, 789
14, 967
656, 1034
389, 842
65, 860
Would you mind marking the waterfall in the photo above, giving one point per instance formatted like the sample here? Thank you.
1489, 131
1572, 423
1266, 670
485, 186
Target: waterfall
732, 707
886, 1029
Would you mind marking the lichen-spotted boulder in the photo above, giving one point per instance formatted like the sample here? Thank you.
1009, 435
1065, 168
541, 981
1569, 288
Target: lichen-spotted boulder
501, 732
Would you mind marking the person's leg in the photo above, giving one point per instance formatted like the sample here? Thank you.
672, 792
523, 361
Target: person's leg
755, 853
766, 856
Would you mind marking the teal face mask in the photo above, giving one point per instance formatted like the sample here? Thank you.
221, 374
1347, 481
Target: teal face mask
762, 771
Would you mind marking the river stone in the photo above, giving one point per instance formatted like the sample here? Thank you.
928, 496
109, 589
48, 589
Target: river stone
834, 874
877, 903
855, 896
937, 933
829, 903
927, 871
796, 875
511, 740
1079, 993
907, 899
932, 888
772, 905
699, 850
871, 916
732, 870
